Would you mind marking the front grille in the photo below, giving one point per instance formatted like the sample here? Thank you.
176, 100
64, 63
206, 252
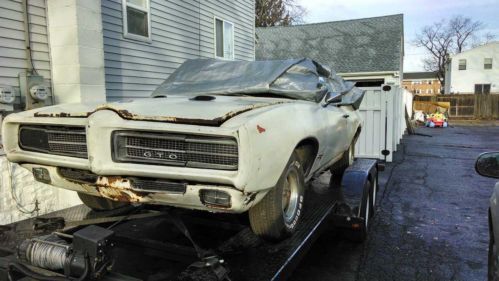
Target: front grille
176, 150
147, 184
59, 140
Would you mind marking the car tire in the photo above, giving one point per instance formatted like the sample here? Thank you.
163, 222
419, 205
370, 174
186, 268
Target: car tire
278, 214
99, 203
346, 160
493, 259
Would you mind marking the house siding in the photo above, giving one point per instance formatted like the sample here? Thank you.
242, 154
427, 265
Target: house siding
13, 59
180, 30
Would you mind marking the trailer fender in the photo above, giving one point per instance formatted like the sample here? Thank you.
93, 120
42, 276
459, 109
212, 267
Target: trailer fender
355, 178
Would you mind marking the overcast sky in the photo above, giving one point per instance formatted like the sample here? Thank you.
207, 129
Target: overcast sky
417, 14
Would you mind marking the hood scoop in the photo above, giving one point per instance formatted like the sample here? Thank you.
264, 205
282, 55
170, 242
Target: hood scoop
203, 98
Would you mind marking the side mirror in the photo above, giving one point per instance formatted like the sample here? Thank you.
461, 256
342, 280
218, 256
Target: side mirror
487, 164
333, 97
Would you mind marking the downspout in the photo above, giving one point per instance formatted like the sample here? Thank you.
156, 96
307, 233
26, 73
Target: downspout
27, 40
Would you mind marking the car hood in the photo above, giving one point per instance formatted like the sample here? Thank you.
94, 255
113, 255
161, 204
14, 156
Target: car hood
197, 110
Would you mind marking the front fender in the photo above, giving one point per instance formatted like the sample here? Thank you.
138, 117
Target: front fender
268, 138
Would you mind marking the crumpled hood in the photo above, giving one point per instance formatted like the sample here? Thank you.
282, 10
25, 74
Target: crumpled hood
172, 109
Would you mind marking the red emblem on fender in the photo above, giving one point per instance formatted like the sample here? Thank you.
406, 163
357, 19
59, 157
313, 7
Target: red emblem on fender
260, 129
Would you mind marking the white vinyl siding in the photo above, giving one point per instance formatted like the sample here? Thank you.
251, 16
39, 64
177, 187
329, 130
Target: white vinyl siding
13, 59
180, 30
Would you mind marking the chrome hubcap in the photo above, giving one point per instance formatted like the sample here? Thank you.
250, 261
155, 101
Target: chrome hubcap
290, 196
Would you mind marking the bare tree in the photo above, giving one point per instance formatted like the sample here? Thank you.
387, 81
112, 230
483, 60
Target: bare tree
278, 12
437, 40
463, 29
445, 38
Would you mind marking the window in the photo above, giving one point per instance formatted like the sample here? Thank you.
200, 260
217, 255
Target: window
224, 39
482, 88
137, 19
487, 63
462, 64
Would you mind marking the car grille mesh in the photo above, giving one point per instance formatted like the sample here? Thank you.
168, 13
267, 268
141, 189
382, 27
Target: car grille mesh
176, 150
59, 140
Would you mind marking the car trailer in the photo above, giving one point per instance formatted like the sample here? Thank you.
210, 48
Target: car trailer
162, 243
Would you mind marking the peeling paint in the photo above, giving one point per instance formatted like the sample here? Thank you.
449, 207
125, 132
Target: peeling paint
126, 114
119, 189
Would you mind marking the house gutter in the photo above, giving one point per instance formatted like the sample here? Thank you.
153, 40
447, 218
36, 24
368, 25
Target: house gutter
394, 73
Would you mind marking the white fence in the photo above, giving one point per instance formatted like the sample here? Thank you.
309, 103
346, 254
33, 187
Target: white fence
383, 121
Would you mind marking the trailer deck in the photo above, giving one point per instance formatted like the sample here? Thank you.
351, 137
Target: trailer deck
149, 244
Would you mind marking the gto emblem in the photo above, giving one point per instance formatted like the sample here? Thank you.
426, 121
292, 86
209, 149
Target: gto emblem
160, 155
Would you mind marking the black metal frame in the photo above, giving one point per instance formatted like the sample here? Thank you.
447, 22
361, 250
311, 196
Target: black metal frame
184, 243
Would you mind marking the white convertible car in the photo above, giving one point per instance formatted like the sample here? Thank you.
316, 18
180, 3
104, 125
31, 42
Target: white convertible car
221, 136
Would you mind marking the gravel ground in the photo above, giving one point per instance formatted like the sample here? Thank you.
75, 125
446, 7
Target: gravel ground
431, 221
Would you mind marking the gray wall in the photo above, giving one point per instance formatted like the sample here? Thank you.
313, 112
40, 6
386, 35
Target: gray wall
12, 46
180, 30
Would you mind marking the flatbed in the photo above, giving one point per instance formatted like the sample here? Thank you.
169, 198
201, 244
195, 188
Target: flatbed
150, 242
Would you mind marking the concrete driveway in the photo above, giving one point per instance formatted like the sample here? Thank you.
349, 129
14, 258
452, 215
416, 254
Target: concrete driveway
431, 221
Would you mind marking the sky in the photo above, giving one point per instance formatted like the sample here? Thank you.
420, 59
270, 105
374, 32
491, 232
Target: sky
417, 14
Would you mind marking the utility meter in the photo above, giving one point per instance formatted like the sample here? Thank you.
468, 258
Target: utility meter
7, 94
7, 98
39, 92
34, 93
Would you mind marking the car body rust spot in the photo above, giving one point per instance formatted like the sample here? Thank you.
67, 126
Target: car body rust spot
119, 189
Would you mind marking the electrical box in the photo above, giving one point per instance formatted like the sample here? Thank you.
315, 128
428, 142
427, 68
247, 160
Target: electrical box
33, 91
7, 98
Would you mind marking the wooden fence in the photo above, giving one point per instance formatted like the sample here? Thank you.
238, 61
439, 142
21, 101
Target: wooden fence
468, 106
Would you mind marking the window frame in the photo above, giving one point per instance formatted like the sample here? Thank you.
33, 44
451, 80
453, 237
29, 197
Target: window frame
485, 64
459, 64
215, 18
147, 10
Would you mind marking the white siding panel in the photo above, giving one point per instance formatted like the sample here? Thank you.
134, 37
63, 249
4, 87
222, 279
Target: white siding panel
180, 30
12, 47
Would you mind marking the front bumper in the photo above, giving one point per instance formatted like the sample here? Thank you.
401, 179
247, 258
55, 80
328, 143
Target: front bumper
118, 188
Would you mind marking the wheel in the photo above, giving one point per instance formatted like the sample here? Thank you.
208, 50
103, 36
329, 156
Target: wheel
346, 160
493, 265
365, 211
278, 214
99, 203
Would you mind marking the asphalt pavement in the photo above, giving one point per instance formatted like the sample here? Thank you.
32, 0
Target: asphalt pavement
431, 219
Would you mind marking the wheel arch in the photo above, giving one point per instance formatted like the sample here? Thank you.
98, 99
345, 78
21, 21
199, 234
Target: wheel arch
307, 150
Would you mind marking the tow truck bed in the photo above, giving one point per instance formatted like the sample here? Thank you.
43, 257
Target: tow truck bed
153, 247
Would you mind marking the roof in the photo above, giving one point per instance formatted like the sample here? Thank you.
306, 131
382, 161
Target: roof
420, 75
487, 45
351, 46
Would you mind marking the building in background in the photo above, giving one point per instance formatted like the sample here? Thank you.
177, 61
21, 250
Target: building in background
421, 83
475, 71
368, 51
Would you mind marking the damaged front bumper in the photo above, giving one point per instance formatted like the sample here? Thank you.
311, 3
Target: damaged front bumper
209, 197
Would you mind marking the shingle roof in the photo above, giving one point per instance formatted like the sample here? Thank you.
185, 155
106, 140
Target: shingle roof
361, 45
420, 75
